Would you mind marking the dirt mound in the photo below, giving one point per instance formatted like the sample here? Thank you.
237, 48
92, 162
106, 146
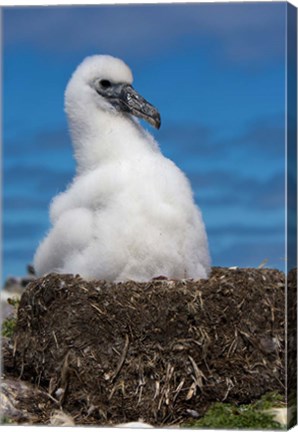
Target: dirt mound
161, 351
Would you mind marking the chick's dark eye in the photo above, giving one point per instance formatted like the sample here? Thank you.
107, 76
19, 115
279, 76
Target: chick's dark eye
105, 83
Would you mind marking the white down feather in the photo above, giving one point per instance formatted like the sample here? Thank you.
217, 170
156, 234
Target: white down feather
129, 213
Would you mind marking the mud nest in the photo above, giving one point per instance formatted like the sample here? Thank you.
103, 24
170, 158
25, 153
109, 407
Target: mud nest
161, 351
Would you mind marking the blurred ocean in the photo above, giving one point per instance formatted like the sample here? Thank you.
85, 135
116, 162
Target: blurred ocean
216, 72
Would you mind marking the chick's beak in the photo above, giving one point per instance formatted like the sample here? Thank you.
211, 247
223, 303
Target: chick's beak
132, 102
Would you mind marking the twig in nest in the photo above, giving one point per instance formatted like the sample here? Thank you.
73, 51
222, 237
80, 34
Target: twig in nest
122, 358
198, 373
178, 389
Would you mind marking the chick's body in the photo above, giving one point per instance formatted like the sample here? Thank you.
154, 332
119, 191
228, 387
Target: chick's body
129, 213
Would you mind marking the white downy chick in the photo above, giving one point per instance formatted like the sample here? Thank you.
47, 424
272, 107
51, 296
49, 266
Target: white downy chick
129, 213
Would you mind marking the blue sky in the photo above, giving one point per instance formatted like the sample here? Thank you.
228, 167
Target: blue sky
216, 72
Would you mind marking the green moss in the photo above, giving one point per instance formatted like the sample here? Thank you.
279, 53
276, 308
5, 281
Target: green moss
229, 416
9, 323
14, 302
5, 420
269, 400
8, 327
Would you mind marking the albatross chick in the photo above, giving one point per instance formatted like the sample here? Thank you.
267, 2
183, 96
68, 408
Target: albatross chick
129, 213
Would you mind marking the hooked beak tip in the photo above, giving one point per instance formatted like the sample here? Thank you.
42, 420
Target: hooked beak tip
155, 120
158, 123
